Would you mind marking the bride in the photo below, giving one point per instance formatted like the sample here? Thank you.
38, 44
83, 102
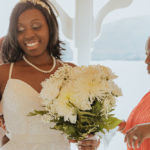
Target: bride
31, 52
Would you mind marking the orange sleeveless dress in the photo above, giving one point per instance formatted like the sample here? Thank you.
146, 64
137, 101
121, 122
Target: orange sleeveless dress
140, 114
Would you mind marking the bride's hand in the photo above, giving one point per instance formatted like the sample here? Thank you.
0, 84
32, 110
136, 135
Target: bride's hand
88, 144
73, 141
3, 138
2, 122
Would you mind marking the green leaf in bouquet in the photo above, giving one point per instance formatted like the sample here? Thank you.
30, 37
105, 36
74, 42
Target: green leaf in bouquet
111, 123
68, 129
86, 113
37, 112
96, 107
86, 120
84, 135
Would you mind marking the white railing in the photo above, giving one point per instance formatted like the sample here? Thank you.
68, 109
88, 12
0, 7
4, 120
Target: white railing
83, 29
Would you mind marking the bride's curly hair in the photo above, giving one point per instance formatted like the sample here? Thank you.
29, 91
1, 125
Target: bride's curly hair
11, 50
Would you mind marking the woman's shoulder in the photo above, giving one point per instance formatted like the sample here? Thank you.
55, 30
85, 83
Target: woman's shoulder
4, 75
4, 71
62, 63
4, 68
69, 63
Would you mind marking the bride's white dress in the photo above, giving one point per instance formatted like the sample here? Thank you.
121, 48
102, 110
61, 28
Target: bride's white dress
27, 133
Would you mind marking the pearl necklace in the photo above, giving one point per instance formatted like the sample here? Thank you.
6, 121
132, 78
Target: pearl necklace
35, 67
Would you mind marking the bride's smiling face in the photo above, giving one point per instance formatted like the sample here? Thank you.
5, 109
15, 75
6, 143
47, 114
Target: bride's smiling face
33, 32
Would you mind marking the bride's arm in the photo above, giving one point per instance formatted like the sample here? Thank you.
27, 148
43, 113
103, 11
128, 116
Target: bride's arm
4, 138
1, 114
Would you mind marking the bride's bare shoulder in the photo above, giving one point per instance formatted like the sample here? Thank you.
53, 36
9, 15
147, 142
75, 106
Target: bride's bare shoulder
4, 67
61, 63
4, 71
70, 64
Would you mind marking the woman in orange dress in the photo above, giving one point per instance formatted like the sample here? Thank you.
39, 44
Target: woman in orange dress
137, 127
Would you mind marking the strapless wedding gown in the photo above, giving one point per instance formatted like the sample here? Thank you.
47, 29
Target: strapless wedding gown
27, 133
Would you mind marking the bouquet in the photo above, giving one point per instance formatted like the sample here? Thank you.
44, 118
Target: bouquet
80, 100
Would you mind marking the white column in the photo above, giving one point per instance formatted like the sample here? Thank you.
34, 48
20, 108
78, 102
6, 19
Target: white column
83, 31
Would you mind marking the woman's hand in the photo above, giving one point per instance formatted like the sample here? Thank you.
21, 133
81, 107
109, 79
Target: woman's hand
88, 144
4, 139
122, 126
2, 122
136, 135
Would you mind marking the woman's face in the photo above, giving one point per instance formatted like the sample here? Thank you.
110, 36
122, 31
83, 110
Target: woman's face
147, 60
33, 32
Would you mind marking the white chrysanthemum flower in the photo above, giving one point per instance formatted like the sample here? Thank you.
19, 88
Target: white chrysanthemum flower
81, 102
106, 72
115, 89
103, 71
50, 90
90, 83
108, 103
51, 87
61, 108
62, 105
62, 73
79, 86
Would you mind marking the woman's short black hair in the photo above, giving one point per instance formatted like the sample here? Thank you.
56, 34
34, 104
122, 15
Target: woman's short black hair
11, 51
